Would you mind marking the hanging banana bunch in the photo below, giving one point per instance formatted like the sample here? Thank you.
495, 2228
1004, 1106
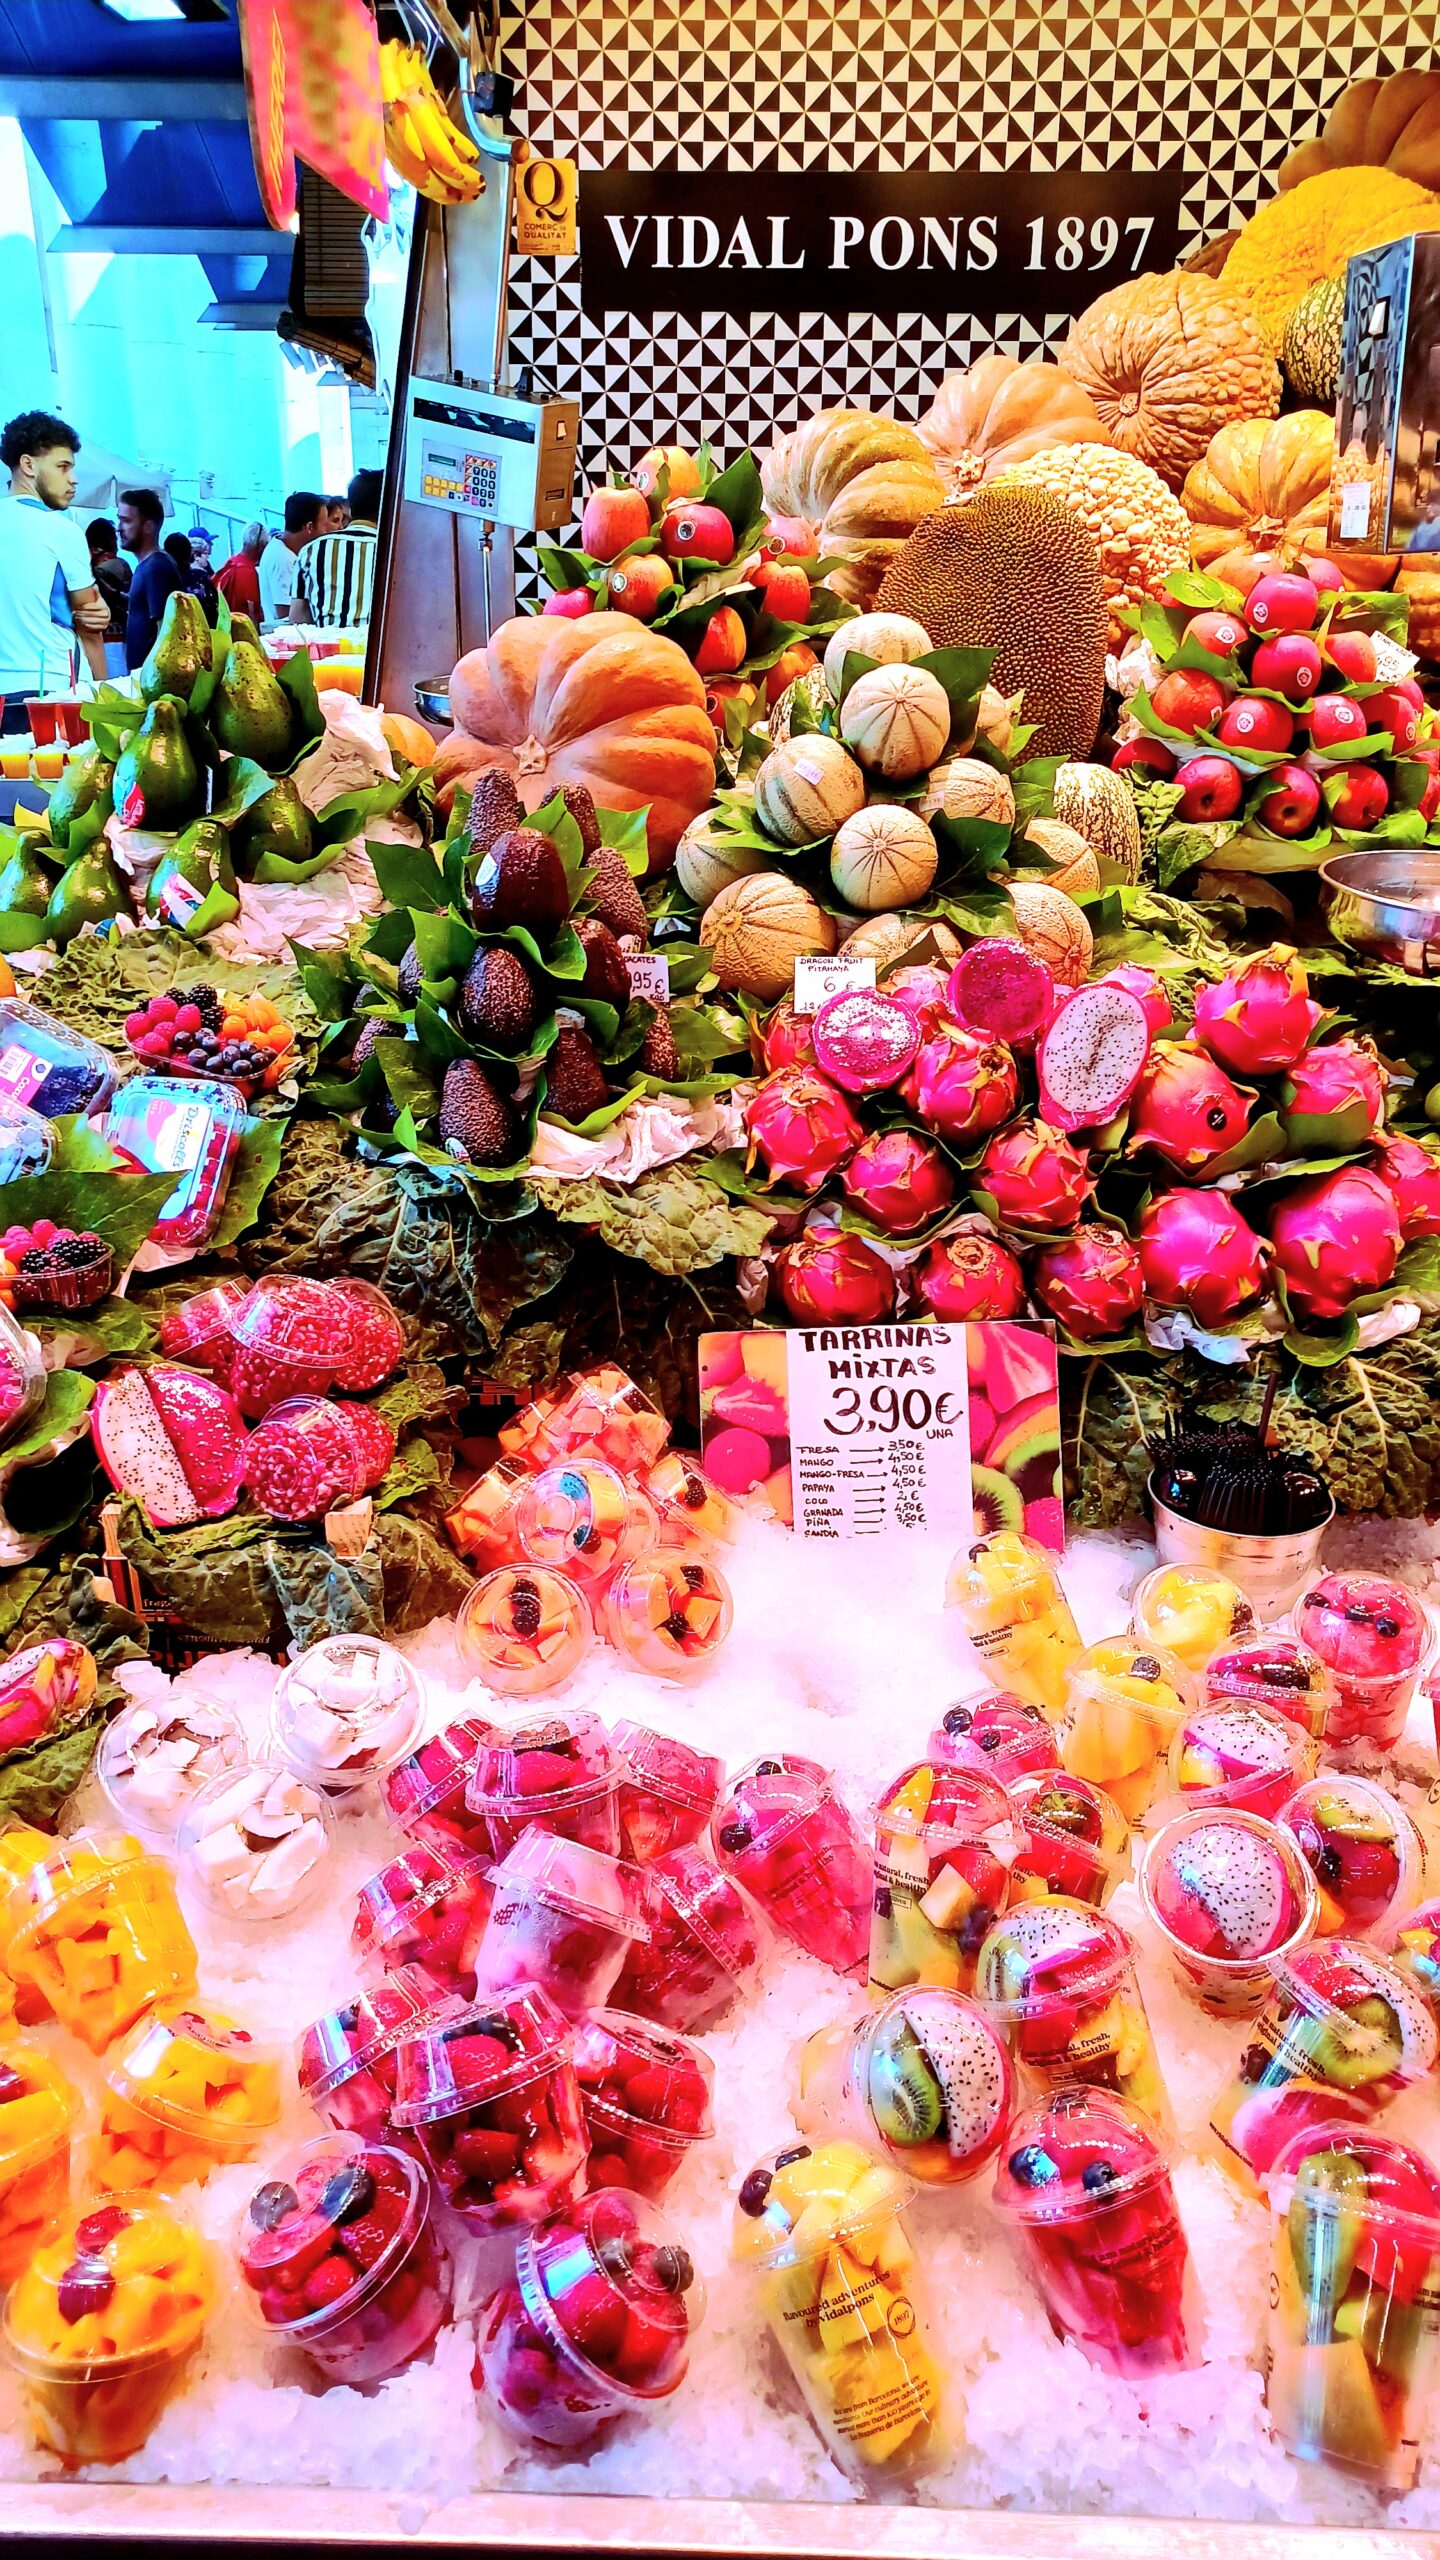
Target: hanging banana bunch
423, 143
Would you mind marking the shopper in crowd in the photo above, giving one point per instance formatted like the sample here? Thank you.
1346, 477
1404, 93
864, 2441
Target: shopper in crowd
337, 573
48, 590
339, 513
112, 577
238, 579
194, 573
305, 520
156, 573
202, 543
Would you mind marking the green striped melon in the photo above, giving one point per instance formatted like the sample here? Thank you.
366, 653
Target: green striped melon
807, 788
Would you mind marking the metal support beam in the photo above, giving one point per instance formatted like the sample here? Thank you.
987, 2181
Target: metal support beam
133, 240
121, 100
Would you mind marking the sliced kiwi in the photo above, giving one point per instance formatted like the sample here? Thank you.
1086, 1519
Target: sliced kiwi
906, 2098
999, 1504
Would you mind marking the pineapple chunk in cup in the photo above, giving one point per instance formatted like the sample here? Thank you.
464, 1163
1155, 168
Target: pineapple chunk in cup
103, 2322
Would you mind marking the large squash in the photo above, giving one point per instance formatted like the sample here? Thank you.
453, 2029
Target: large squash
1314, 229
1137, 525
602, 702
1377, 124
1167, 361
1263, 489
1000, 411
863, 483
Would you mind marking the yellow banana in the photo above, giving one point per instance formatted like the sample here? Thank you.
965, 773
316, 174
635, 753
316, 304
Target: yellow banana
432, 126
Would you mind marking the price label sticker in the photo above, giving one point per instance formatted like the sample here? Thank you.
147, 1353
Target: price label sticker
1354, 510
650, 977
818, 979
879, 1430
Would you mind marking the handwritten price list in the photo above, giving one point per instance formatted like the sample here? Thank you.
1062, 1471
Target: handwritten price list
879, 1430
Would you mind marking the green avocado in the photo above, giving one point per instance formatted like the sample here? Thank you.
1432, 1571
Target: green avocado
250, 713
193, 885
25, 887
85, 785
278, 823
157, 783
90, 892
182, 652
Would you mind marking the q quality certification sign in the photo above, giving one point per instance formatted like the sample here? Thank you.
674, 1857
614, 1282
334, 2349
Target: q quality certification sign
879, 1430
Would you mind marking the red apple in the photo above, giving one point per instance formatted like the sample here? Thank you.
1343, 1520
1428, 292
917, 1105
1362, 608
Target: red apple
1429, 800
723, 689
1411, 690
1285, 603
784, 586
789, 534
1352, 654
613, 519
1220, 633
572, 602
1253, 725
1211, 787
1188, 700
1292, 803
1335, 720
1288, 664
695, 532
796, 662
1151, 753
1363, 796
722, 644
637, 585
1322, 573
683, 480
1394, 711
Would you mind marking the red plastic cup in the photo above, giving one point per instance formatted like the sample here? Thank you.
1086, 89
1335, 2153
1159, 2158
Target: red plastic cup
41, 716
341, 2261
646, 2101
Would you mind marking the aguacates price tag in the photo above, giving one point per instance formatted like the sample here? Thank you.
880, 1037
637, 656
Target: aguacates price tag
650, 977
817, 980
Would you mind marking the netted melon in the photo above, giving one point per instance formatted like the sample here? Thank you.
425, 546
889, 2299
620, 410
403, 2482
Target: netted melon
883, 857
756, 930
708, 858
807, 788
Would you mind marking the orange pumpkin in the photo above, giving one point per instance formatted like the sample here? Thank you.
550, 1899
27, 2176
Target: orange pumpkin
1001, 411
1377, 124
1168, 360
602, 702
863, 483
408, 738
1263, 487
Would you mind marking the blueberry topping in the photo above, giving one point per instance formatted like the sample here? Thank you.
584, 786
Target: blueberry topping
990, 1741
768, 1769
348, 2194
1097, 2176
1357, 1615
735, 1836
1216, 1119
1145, 1667
1329, 1866
271, 2203
1032, 2167
1387, 1627
754, 2192
958, 1719
673, 2268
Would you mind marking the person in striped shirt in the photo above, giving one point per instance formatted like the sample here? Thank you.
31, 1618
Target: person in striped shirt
337, 572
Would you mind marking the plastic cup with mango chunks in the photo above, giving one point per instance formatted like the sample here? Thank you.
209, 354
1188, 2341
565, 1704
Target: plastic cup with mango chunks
96, 1930
1191, 1611
187, 2092
38, 2108
104, 2320
1018, 1619
1123, 1701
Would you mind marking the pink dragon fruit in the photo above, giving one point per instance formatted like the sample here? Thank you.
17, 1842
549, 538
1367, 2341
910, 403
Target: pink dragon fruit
923, 989
787, 1039
830, 1277
1196, 1251
863, 1041
1411, 1175
898, 1179
970, 1278
1147, 990
1035, 1177
801, 1126
1185, 1108
1090, 1282
961, 1087
1334, 1099
1336, 1236
1260, 1016
1001, 991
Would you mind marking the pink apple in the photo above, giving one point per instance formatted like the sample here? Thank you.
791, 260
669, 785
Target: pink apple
689, 530
1322, 573
1363, 796
572, 602
1411, 690
1288, 664
613, 519
1151, 754
1430, 798
1220, 633
1394, 711
1284, 603
1335, 720
1188, 700
789, 534
784, 585
1292, 803
1211, 787
1250, 724
1352, 654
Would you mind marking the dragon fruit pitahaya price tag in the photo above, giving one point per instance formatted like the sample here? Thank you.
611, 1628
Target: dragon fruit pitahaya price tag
872, 1430
818, 979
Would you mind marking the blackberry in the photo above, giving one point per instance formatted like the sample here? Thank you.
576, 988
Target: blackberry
525, 1612
82, 1253
694, 1575
676, 1627
212, 1012
673, 2268
36, 1261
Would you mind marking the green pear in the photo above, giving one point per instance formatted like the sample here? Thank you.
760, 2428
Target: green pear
242, 628
278, 823
183, 650
250, 712
86, 784
90, 892
157, 783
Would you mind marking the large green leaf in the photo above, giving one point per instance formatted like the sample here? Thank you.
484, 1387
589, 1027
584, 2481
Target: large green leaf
257, 1161
119, 1207
670, 1219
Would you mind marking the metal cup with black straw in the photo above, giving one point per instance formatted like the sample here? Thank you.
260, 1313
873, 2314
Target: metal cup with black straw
1224, 1499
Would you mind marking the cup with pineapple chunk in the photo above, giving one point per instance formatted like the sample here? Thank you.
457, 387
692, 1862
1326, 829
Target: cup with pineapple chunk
187, 2092
1016, 1616
1123, 1701
94, 1930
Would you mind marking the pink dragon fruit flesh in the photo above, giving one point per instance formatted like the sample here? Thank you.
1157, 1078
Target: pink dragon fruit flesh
971, 1278
1147, 990
1185, 1108
1001, 991
1336, 1237
1092, 1056
924, 990
801, 1127
1411, 1175
787, 1039
1196, 1251
1091, 1282
899, 1180
959, 1086
172, 1439
1333, 1099
1260, 1016
828, 1276
1034, 1176
864, 1041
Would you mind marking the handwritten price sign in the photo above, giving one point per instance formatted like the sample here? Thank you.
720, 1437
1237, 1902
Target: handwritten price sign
879, 1430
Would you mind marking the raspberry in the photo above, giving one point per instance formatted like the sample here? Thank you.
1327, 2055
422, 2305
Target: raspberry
44, 1231
328, 2283
188, 1018
135, 1024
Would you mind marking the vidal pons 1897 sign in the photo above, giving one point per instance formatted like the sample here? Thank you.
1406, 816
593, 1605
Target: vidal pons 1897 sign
716, 240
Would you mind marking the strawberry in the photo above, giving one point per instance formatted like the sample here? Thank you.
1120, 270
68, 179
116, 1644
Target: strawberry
488, 2154
327, 2284
594, 2315
366, 2239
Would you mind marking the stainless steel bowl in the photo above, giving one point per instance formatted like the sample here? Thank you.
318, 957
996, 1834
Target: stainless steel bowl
432, 699
1386, 904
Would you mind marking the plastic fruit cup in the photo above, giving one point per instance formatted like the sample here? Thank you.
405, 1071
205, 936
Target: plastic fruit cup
375, 1343
560, 1775
1190, 1611
581, 1518
943, 1844
597, 1413
199, 1331
783, 1833
96, 1931
347, 1710
1341, 2035
256, 1844
426, 1793
346, 2060
341, 2260
1361, 1847
489, 2098
20, 1850
1351, 2359
1073, 1840
1123, 1702
668, 1613
1227, 1893
304, 1459
486, 1525
1003, 1736
186, 2093
1229, 1755
524, 1630
563, 1916
646, 2101
153, 1761
823, 2234
428, 1908
690, 1509
1016, 1615
1374, 1638
1276, 1673
705, 1947
288, 1339
924, 2080
1085, 2187
104, 2320
1059, 1979
38, 2108
667, 1794
597, 2324
1412, 1943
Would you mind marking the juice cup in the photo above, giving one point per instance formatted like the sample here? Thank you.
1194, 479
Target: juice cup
525, 1630
822, 2232
95, 1929
706, 1945
1274, 1672
428, 1908
1342, 2033
1191, 1611
1058, 1979
489, 2099
924, 2080
597, 2324
1085, 2188
346, 2060
341, 2260
69, 719
1374, 1638
645, 2096
38, 2108
1363, 1850
562, 1916
668, 1792
943, 1845
1227, 1894
103, 2322
1072, 1839
782, 1832
186, 2093
41, 716
560, 1775
1351, 2362
1123, 1702
1002, 1736
1016, 1616
1231, 1755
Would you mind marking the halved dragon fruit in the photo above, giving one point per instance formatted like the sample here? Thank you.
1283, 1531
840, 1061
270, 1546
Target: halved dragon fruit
864, 1041
1000, 991
173, 1440
1092, 1056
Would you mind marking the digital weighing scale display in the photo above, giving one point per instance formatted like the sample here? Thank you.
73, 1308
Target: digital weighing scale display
490, 455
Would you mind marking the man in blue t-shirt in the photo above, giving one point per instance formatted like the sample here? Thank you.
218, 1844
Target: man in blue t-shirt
48, 594
156, 577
